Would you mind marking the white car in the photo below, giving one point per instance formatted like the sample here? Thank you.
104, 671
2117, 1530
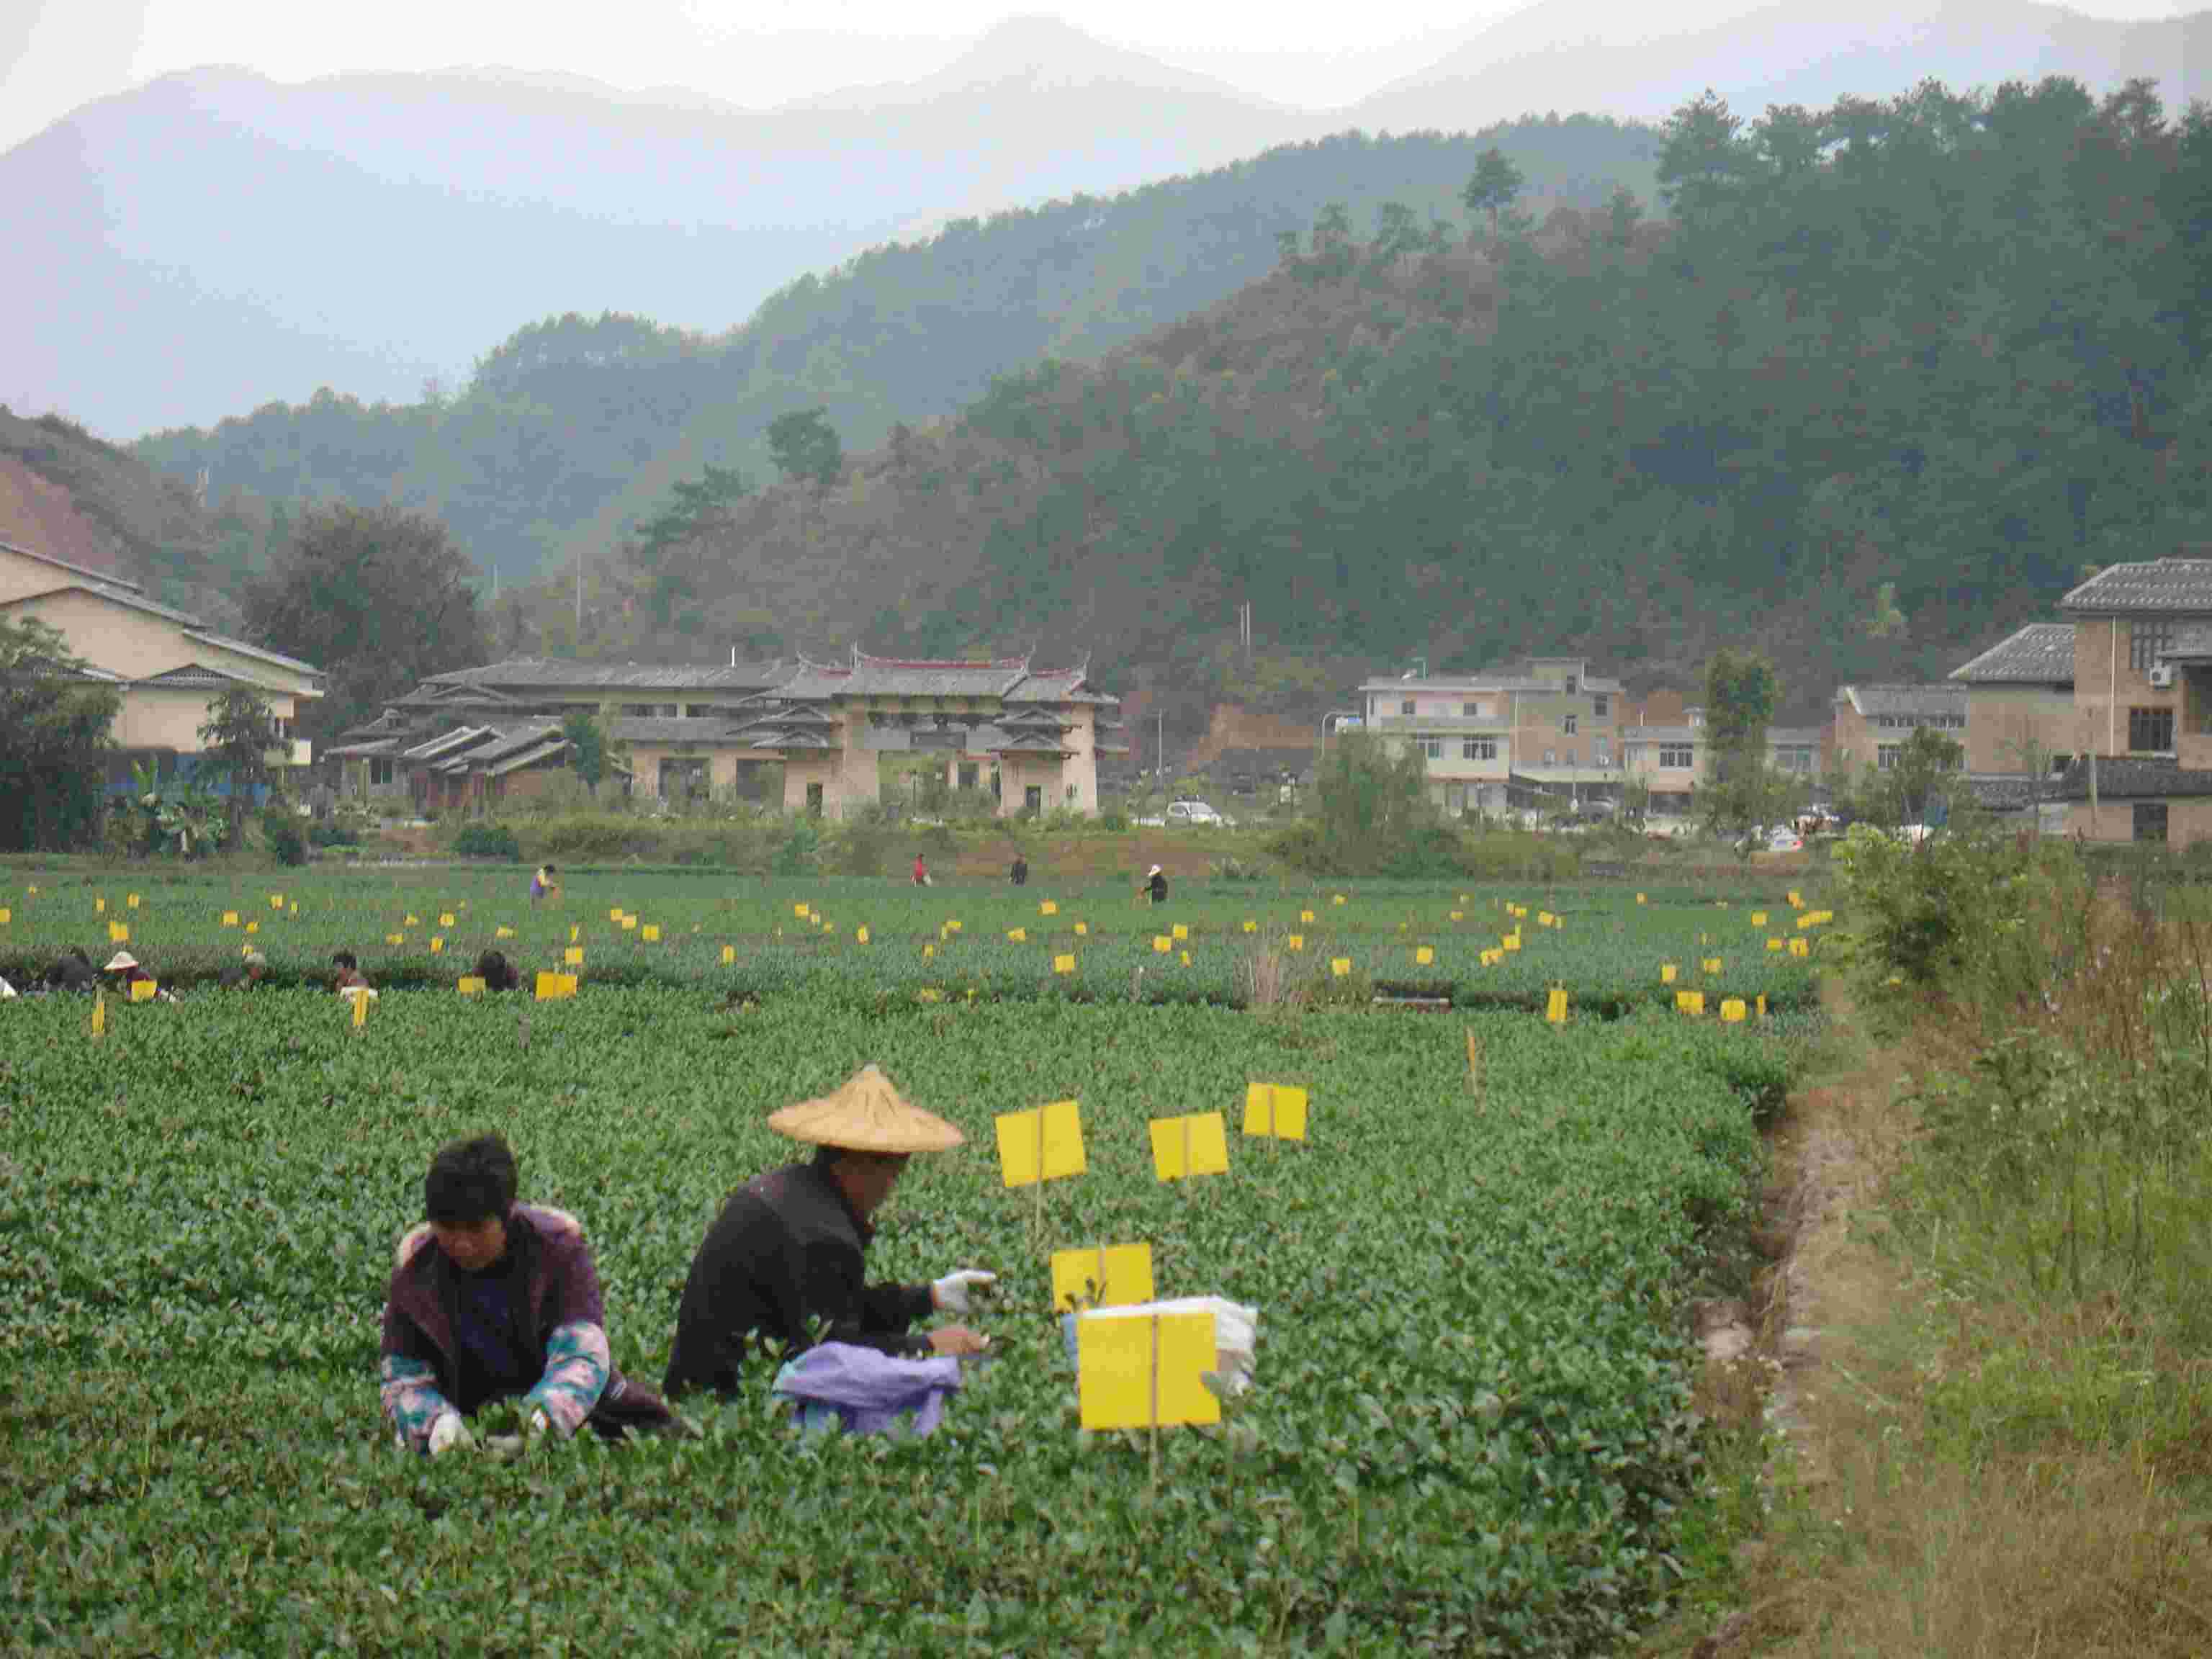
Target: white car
1190, 812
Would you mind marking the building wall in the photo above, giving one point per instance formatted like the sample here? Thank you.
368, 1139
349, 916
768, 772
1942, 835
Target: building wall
2017, 728
644, 760
1017, 774
170, 717
2188, 822
2106, 687
19, 577
1642, 766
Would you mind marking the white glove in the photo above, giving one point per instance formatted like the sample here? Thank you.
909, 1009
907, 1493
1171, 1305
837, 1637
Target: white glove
538, 1424
950, 1293
447, 1432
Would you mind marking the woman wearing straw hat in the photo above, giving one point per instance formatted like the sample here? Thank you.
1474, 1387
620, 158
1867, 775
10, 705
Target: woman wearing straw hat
1156, 883
125, 968
782, 1262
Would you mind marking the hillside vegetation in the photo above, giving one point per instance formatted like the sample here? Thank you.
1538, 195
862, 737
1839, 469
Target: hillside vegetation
570, 431
1891, 378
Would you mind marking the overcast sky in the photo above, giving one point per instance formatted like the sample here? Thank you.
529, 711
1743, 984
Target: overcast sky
58, 54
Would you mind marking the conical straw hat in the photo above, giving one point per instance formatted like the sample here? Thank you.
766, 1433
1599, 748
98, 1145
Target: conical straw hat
121, 960
866, 1115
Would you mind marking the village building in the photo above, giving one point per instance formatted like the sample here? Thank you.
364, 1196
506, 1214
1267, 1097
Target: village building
168, 668
1541, 732
2021, 719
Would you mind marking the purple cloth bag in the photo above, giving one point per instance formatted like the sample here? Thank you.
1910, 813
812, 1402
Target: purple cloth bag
864, 1391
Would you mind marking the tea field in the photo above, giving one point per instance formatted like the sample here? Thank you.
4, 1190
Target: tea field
872, 943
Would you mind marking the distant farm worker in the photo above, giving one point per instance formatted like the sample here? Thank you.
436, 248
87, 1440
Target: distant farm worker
350, 982
127, 972
497, 973
246, 973
72, 971
493, 1300
920, 870
1019, 875
1156, 883
782, 1263
542, 883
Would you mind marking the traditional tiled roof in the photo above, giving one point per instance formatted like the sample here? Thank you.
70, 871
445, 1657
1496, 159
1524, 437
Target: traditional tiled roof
644, 728
551, 673
884, 677
2009, 791
2191, 644
1907, 699
1033, 720
436, 748
2122, 777
2041, 654
1796, 735
363, 749
2156, 585
513, 740
552, 746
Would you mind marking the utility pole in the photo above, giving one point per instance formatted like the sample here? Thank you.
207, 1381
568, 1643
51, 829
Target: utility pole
580, 596
1160, 745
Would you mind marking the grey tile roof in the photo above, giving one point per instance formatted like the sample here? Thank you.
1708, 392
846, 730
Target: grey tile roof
2191, 644
2041, 654
262, 652
431, 749
2121, 777
513, 741
1998, 794
641, 728
527, 757
2156, 585
1796, 735
884, 677
1907, 699
552, 673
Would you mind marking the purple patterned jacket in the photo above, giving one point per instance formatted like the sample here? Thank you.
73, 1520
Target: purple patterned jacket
561, 1299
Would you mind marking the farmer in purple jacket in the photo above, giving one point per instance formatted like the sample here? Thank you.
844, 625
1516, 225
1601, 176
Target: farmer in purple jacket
781, 1264
495, 1300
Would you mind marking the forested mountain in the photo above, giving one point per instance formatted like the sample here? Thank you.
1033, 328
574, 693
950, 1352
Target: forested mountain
1890, 378
573, 428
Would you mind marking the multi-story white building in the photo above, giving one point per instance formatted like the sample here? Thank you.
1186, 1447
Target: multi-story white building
1544, 729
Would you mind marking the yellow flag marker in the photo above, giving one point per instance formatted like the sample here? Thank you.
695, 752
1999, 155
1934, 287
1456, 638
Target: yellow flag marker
573, 956
927, 952
1106, 1276
1048, 908
503, 933
1711, 964
142, 990
1305, 915
359, 1009
1339, 966
100, 907
131, 899
117, 933
1458, 915
1800, 947
1773, 944
555, 988
652, 933
1424, 956
470, 985
1063, 964
799, 910
1136, 1372
1018, 935
1639, 899
395, 938
1296, 941
1181, 930
1795, 901
1555, 1005
437, 944
414, 922
1690, 1002
1250, 925
1042, 1144
1336, 898
1732, 1010
1082, 930
445, 919
1162, 943
1276, 1111
98, 1012
572, 931
1194, 1143
1666, 973
253, 926
1759, 918
729, 955
630, 924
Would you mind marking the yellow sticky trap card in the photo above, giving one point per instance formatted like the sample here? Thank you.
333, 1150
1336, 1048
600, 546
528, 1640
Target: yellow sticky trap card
573, 956
1424, 956
1195, 1144
1018, 935
1275, 1109
1042, 1144
1555, 1005
1082, 930
555, 988
131, 899
445, 919
470, 985
144, 990
1181, 931
1251, 926
1759, 918
1295, 941
630, 924
1106, 1276
360, 1011
98, 1012
1339, 966
1138, 1371
1732, 1010
395, 938
1305, 915
1048, 908
1162, 943
1063, 964
503, 933
1690, 1002
729, 955
652, 933
117, 933
1666, 973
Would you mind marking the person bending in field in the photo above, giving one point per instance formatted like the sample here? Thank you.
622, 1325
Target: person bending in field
541, 883
493, 1300
497, 973
920, 870
246, 973
782, 1262
350, 982
1019, 875
1156, 883
73, 971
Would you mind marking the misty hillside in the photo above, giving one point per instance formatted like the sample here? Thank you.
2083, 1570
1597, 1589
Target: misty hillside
572, 430
1892, 376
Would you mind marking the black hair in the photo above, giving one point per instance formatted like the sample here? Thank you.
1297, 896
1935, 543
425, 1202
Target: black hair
469, 1182
497, 973
552, 869
344, 959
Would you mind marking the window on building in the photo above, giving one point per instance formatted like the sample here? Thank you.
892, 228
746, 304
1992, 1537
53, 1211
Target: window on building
1571, 682
1433, 748
1407, 707
380, 772
2150, 821
2059, 763
1551, 757
967, 776
1793, 757
1600, 752
1677, 757
1601, 706
1072, 793
2145, 641
1478, 709
1887, 756
1697, 717
1569, 757
1478, 749
2150, 731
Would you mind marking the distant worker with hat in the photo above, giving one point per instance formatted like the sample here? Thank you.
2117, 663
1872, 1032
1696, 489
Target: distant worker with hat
246, 973
125, 968
782, 1263
543, 883
1156, 883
